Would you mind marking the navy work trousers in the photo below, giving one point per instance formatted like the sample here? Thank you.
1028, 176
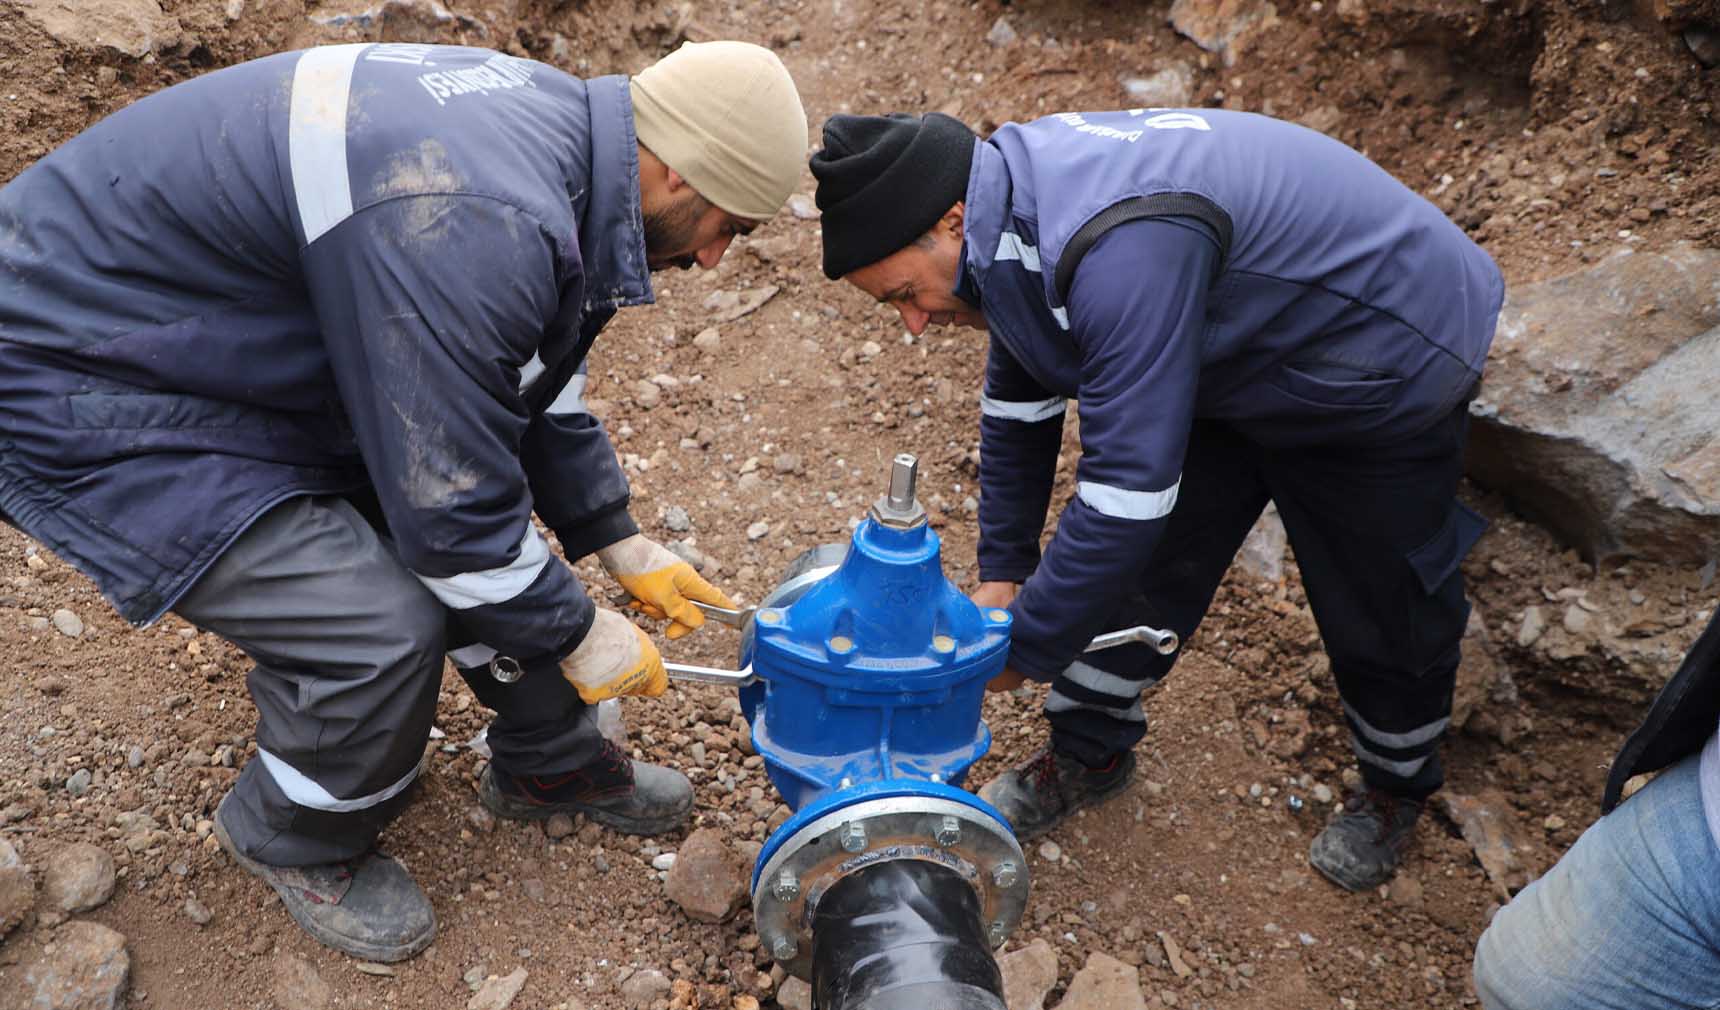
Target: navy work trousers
1378, 534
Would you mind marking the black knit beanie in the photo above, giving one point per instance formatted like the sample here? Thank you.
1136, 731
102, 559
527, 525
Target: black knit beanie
883, 181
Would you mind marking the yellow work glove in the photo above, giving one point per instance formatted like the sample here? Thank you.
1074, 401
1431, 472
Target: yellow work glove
663, 585
614, 659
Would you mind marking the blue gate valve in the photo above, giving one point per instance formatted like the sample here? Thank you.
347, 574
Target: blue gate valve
863, 675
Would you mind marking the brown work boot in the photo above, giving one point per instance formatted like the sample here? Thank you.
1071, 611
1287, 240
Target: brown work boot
368, 907
632, 797
1041, 792
1363, 845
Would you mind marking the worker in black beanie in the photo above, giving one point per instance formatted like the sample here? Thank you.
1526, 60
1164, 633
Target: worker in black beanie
1248, 312
883, 181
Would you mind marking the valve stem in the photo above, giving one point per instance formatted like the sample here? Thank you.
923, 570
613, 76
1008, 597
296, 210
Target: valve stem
899, 508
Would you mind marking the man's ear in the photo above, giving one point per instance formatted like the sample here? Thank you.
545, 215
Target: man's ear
952, 220
675, 181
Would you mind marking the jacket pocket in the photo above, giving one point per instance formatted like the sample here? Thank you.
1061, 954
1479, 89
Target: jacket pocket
1437, 609
1337, 385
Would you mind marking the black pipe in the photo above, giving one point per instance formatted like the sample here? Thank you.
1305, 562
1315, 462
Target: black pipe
904, 934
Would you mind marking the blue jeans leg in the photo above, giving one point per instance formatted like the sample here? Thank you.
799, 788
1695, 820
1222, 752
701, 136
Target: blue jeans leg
1629, 919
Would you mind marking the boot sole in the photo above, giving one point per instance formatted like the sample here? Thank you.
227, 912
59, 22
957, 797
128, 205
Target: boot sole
387, 954
514, 809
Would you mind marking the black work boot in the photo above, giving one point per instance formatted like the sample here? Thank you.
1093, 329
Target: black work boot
632, 797
368, 907
1041, 792
1363, 845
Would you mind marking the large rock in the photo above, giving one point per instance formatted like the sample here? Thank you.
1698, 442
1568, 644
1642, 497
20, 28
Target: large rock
1104, 984
1492, 830
1222, 26
88, 970
77, 878
17, 890
1028, 974
707, 880
133, 27
1597, 415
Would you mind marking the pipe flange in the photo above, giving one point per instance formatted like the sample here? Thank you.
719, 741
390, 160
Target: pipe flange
979, 847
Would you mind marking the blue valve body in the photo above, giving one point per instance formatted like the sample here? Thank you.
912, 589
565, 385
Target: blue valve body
875, 674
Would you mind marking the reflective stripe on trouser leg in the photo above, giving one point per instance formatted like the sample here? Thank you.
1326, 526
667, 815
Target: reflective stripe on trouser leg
1095, 713
348, 647
541, 726
1380, 537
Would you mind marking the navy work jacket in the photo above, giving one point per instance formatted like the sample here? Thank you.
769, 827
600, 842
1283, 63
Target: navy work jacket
1164, 265
359, 266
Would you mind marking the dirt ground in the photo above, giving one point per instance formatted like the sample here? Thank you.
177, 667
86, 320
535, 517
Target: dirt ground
1554, 132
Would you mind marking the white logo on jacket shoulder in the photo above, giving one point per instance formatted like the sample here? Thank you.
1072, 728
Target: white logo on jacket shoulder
498, 73
1172, 120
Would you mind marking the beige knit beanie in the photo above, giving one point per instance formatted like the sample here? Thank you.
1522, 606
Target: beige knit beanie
727, 118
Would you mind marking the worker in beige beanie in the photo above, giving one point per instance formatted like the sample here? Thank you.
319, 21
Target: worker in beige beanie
722, 139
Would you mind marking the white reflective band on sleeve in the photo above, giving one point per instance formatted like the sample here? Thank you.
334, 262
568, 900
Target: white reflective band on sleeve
571, 399
1027, 411
316, 136
530, 371
305, 793
498, 585
1011, 247
468, 656
1121, 503
1061, 315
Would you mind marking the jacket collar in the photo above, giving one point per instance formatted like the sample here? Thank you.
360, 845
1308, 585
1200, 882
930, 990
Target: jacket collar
987, 208
611, 223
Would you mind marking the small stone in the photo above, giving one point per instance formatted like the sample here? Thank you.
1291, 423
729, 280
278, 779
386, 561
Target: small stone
134, 757
1578, 621
706, 878
53, 687
1104, 984
1534, 625
1002, 33
708, 339
372, 968
88, 970
497, 993
1028, 974
644, 988
198, 912
1405, 890
1553, 822
758, 530
870, 349
1051, 852
1173, 954
77, 878
786, 462
79, 782
68, 623
558, 826
1170, 88
676, 519
297, 985
1322, 793
803, 207
794, 995
647, 394
17, 890
481, 819
664, 861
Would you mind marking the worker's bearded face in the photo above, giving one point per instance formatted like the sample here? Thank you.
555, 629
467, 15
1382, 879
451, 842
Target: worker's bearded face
672, 232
